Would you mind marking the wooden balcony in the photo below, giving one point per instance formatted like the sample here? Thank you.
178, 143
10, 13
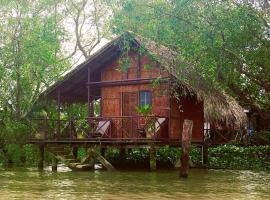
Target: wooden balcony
116, 130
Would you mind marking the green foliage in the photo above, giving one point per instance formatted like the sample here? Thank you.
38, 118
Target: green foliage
148, 67
29, 60
224, 156
138, 155
261, 137
82, 152
125, 64
155, 83
144, 110
235, 157
112, 153
168, 154
17, 132
225, 41
18, 155
13, 153
30, 154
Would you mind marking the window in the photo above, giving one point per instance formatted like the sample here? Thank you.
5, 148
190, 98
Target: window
145, 98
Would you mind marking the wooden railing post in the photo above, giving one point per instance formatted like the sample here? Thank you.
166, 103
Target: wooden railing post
186, 141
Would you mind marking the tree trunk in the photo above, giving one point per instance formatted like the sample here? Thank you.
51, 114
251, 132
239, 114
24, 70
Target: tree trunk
186, 141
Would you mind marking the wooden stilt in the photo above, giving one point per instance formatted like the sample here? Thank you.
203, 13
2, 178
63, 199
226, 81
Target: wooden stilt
186, 141
103, 151
54, 164
41, 157
152, 158
178, 163
96, 155
75, 152
122, 154
205, 154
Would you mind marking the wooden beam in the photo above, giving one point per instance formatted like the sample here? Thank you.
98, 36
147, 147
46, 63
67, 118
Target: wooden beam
128, 82
186, 141
93, 153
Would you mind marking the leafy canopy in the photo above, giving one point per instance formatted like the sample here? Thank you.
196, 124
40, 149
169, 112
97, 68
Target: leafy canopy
227, 42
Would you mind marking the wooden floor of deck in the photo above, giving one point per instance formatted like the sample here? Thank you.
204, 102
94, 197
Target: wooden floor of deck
115, 142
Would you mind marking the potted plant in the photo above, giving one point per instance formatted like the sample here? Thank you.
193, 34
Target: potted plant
81, 127
145, 111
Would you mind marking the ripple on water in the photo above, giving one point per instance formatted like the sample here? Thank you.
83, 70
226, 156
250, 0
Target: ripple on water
201, 185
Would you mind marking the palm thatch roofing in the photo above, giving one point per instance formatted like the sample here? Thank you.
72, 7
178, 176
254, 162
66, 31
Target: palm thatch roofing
219, 107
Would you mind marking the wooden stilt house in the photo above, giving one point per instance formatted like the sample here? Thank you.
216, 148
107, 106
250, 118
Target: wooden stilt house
137, 94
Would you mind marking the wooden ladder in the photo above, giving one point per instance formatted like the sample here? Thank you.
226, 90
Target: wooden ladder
63, 154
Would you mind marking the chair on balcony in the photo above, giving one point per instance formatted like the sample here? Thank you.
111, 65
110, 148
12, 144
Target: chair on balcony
154, 127
103, 128
160, 121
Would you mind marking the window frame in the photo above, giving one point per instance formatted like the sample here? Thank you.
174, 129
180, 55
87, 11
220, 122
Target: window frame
140, 95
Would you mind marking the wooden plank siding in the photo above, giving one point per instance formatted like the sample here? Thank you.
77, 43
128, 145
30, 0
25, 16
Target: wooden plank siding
187, 108
162, 104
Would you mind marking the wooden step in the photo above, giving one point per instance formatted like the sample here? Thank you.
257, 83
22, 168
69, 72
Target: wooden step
80, 166
73, 165
84, 167
63, 153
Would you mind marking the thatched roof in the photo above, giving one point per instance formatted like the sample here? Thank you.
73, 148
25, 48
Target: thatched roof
218, 106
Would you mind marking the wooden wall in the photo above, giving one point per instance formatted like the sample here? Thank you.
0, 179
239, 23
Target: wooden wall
111, 95
138, 69
111, 99
162, 104
187, 108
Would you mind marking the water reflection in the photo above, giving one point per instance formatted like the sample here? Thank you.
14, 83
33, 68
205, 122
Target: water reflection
99, 185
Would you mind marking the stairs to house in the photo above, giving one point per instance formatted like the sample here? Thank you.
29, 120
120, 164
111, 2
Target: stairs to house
63, 153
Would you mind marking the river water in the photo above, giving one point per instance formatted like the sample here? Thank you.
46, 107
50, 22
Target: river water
201, 184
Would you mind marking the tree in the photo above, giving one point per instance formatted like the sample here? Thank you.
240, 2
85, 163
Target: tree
226, 41
39, 40
28, 54
35, 45
88, 22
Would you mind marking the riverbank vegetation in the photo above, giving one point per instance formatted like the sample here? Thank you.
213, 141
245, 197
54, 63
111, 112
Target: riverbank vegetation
221, 157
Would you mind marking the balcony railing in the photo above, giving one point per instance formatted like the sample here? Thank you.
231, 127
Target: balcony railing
100, 127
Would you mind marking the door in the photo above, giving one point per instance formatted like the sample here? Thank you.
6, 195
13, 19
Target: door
130, 121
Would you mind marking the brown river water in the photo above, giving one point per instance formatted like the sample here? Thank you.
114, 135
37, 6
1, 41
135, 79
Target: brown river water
98, 185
